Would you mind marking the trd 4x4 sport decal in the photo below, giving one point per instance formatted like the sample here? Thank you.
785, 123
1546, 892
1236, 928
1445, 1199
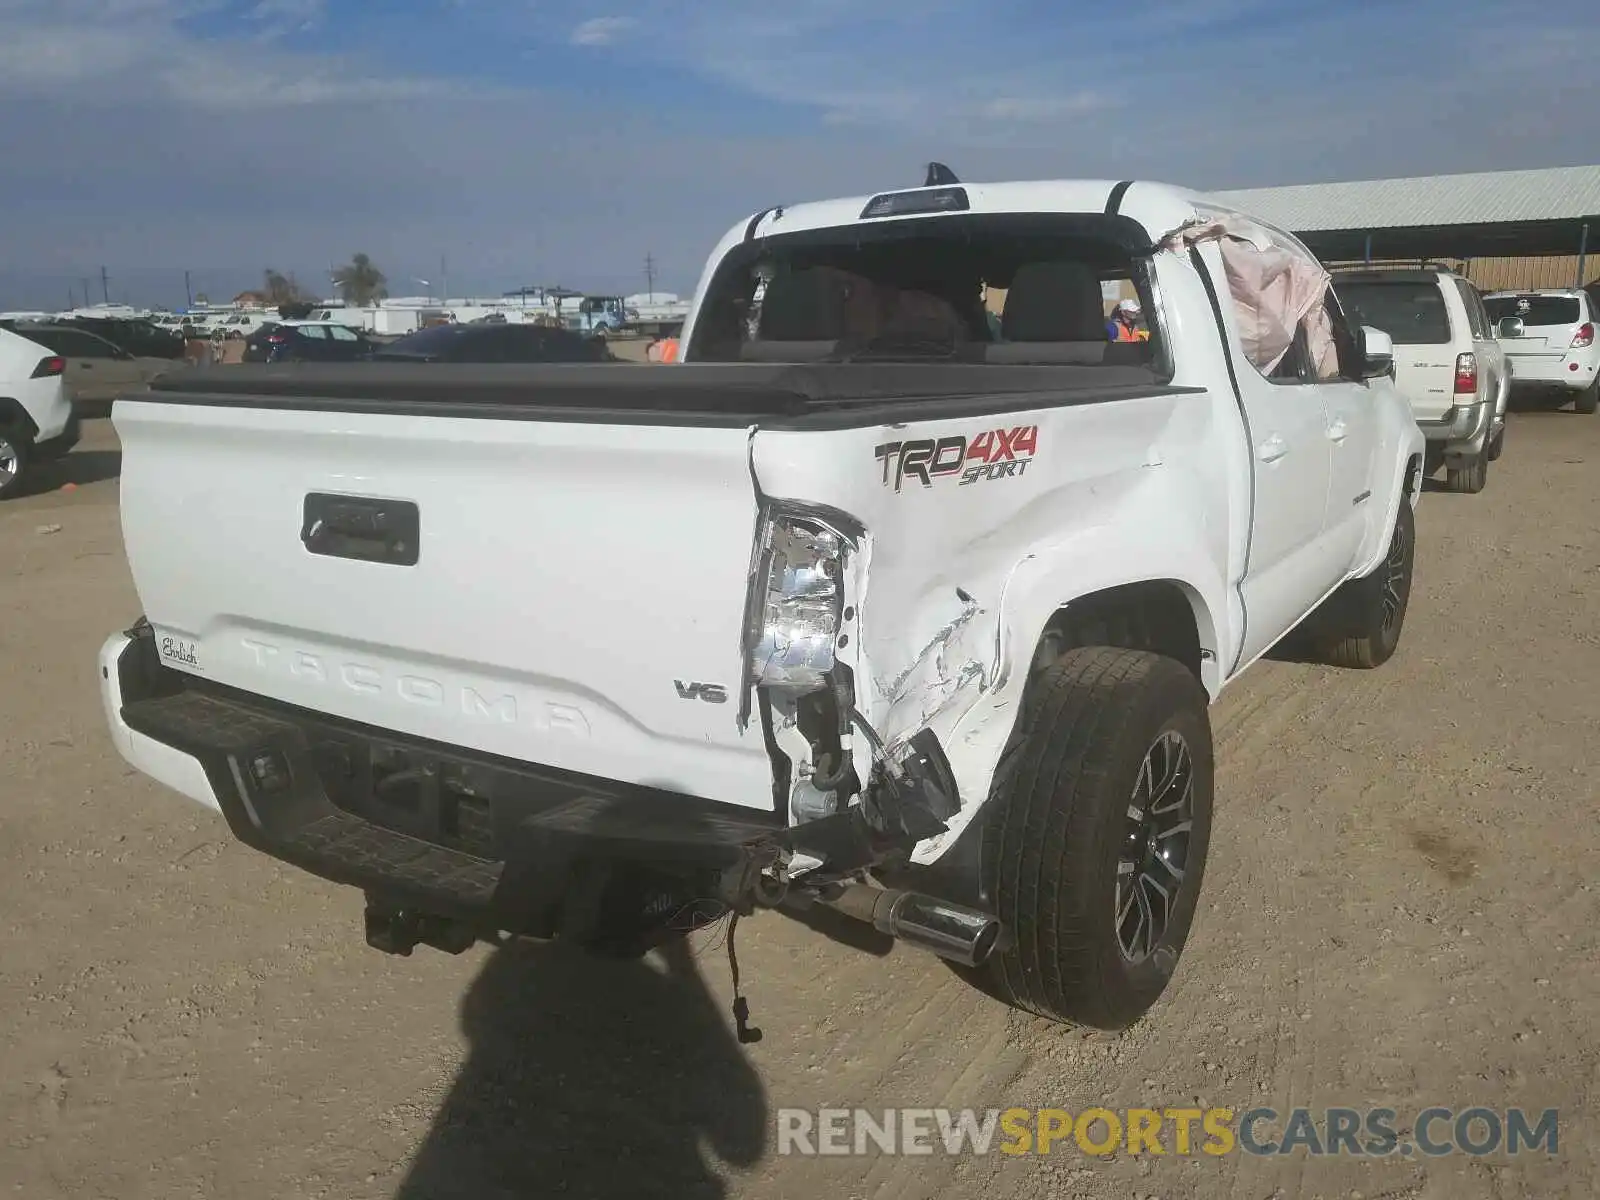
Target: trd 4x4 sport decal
992, 454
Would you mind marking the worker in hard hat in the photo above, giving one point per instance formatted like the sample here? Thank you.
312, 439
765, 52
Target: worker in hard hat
1124, 325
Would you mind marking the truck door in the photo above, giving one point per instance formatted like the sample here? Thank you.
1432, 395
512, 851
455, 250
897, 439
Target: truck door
1289, 565
1352, 433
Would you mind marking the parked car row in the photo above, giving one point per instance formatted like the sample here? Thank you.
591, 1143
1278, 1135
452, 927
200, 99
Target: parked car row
327, 341
1460, 354
97, 369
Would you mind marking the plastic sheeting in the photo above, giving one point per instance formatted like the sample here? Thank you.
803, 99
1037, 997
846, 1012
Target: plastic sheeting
1276, 285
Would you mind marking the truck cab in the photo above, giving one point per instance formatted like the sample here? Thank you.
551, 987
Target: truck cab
599, 315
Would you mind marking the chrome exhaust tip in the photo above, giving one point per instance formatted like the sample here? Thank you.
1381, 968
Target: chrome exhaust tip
952, 931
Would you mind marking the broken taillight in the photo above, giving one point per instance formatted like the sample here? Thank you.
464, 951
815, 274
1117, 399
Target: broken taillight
1466, 374
795, 615
1584, 338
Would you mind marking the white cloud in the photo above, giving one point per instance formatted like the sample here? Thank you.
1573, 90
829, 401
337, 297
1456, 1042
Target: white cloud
111, 51
814, 98
601, 31
278, 17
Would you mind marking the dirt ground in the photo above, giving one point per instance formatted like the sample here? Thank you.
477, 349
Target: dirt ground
1400, 910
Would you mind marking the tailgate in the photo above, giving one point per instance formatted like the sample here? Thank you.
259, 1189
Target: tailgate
1426, 376
1533, 345
565, 584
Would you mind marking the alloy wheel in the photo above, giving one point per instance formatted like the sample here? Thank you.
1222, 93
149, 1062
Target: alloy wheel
1394, 579
1155, 853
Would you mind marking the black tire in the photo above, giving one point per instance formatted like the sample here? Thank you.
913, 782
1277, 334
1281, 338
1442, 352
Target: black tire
16, 455
1372, 610
1497, 444
1059, 824
1470, 480
1587, 401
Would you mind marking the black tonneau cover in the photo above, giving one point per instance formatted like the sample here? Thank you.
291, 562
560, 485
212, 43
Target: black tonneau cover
814, 395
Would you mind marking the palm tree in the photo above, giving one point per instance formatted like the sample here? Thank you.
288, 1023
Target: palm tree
279, 288
360, 282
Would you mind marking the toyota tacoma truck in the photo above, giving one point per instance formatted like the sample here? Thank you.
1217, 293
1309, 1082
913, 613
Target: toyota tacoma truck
869, 603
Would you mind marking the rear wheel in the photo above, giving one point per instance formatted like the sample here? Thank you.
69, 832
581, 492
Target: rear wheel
1095, 844
1472, 478
14, 455
1497, 444
1588, 400
1369, 613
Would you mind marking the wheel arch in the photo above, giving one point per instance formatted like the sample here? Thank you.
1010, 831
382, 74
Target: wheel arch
1164, 616
1405, 488
15, 419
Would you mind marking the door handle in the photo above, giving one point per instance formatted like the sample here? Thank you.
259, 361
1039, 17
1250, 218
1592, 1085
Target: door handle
1336, 431
1272, 449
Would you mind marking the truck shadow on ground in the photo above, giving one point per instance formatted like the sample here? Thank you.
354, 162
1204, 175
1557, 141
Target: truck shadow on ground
79, 468
594, 1078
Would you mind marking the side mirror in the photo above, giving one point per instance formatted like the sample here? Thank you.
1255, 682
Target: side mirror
1509, 327
1377, 350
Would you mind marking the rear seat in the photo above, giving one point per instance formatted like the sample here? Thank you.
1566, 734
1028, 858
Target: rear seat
802, 317
1054, 313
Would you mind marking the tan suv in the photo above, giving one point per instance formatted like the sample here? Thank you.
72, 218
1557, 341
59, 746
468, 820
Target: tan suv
1447, 363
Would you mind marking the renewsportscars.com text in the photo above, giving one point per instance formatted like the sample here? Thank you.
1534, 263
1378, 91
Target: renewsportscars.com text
1373, 1132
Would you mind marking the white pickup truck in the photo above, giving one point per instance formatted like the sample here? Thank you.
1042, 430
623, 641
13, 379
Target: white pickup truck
865, 603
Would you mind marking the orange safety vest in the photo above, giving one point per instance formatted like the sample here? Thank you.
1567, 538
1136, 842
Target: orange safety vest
1127, 333
669, 350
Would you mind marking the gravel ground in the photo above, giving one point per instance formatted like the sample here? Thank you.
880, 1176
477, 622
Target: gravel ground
1400, 910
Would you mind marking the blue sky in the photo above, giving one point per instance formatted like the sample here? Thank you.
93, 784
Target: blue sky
537, 141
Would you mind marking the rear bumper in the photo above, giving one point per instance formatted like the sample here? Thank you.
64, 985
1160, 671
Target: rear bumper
1574, 371
1462, 430
480, 839
55, 447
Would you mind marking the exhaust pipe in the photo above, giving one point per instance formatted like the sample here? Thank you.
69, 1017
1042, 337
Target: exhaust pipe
953, 931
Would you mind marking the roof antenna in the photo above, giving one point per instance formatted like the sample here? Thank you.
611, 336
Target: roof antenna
939, 175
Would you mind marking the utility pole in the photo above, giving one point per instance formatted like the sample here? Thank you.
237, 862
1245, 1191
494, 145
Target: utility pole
650, 276
187, 290
86, 291
444, 281
72, 303
105, 285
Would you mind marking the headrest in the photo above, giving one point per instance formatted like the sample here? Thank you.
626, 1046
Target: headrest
805, 306
1054, 301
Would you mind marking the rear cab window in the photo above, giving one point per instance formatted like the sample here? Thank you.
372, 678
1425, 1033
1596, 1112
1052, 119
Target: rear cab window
974, 288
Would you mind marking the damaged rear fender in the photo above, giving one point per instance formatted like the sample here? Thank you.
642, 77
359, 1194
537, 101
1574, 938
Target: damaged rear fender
982, 685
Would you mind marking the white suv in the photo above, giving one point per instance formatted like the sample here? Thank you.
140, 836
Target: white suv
1549, 336
1447, 363
37, 421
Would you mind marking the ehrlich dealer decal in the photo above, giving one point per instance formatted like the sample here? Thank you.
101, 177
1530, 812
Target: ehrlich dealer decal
992, 454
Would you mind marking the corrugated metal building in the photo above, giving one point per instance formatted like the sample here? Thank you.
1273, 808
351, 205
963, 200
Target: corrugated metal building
1502, 229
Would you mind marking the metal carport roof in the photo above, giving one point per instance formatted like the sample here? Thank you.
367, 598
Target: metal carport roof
1551, 211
